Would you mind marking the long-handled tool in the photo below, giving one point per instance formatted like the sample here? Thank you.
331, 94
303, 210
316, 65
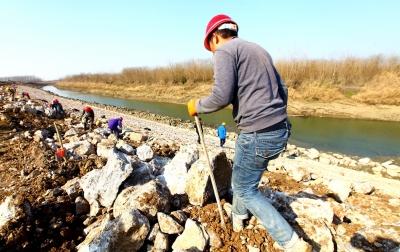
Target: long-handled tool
214, 185
60, 152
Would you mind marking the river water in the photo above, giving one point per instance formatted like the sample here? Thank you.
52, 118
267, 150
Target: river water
376, 139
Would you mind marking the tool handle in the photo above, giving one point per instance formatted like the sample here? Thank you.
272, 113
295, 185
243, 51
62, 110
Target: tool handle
58, 136
214, 185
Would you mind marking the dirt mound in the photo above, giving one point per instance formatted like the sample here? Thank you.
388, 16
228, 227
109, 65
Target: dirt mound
29, 172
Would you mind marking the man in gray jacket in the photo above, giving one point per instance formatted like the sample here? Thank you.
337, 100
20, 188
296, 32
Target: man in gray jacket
245, 77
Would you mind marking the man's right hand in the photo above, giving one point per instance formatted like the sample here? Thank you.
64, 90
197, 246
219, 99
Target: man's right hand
191, 105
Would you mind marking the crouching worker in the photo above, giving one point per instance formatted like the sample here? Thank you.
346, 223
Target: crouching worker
115, 125
57, 108
26, 94
12, 90
245, 77
87, 118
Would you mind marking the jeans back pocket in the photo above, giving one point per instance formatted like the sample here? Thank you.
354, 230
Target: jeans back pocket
270, 144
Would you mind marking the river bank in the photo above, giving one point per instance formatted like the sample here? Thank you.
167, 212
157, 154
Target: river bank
149, 190
341, 108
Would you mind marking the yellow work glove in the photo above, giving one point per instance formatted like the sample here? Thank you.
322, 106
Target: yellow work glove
192, 107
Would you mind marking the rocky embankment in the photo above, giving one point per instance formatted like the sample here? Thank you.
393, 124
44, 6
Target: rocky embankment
150, 191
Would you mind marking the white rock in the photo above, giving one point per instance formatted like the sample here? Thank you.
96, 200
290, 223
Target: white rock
252, 249
105, 148
393, 170
318, 231
303, 207
27, 134
313, 153
148, 198
71, 146
161, 242
103, 184
325, 160
394, 202
125, 148
102, 131
70, 132
364, 161
72, 186
194, 237
85, 149
385, 164
41, 134
144, 152
312, 209
167, 224
94, 208
340, 188
125, 233
297, 172
8, 211
153, 232
363, 187
338, 156
228, 209
175, 172
198, 184
377, 169
135, 137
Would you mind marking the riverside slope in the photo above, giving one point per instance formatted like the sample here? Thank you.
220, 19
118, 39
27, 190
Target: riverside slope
335, 202
187, 136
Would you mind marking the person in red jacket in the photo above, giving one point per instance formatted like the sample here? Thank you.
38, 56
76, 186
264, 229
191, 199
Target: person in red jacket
87, 117
26, 94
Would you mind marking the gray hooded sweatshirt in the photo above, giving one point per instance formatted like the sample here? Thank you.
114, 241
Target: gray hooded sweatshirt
245, 77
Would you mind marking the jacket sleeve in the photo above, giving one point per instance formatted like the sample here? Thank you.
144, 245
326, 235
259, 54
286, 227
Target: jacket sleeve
225, 82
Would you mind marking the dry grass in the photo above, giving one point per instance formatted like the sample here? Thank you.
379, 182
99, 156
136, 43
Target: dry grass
310, 80
382, 89
151, 92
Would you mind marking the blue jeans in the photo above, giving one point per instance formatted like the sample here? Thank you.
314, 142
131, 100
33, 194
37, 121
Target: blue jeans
253, 151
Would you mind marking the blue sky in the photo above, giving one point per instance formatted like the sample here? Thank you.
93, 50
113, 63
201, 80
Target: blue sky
51, 39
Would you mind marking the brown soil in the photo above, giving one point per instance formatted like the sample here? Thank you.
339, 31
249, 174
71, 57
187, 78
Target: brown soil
30, 173
231, 241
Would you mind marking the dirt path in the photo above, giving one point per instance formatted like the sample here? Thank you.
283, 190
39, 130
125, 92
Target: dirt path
161, 130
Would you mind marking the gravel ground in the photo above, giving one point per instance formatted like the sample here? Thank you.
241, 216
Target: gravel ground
158, 130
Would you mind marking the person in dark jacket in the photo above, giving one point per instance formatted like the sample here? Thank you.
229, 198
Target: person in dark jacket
115, 125
87, 117
57, 107
221, 132
246, 78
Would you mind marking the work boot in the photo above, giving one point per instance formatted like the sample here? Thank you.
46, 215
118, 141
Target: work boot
296, 244
237, 223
